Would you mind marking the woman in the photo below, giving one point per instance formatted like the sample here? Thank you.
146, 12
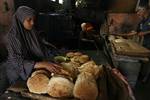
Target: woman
25, 49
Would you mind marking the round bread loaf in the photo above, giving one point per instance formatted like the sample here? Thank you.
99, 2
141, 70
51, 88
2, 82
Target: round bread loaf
60, 87
90, 67
77, 54
72, 68
75, 59
70, 54
38, 83
41, 72
85, 87
84, 59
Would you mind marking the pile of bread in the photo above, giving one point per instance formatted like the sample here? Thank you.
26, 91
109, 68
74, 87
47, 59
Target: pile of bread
79, 83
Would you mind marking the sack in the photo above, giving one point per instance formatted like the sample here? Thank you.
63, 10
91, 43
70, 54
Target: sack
113, 86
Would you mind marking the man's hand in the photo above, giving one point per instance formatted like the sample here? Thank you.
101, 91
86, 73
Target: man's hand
141, 33
131, 33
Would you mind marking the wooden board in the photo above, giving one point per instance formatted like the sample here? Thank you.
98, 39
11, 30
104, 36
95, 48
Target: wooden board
129, 48
20, 87
41, 97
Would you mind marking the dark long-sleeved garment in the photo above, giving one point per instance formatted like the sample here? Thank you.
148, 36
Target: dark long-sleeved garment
144, 26
24, 47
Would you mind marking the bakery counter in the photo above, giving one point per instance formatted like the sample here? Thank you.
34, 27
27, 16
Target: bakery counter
127, 56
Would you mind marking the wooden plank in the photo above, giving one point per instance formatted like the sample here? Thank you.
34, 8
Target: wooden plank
41, 97
20, 87
129, 48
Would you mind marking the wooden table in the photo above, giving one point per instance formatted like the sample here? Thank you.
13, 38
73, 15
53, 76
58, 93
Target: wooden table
19, 91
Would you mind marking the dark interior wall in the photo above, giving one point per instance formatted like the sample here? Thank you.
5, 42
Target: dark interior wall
38, 5
18, 3
90, 11
6, 13
45, 5
69, 4
121, 5
5, 16
144, 2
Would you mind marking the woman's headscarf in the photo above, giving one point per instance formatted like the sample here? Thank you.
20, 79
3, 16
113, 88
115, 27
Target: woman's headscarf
27, 40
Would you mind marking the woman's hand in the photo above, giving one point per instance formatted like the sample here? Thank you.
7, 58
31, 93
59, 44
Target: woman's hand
51, 67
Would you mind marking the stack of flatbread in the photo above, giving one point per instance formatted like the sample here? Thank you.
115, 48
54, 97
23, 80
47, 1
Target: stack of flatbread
80, 82
129, 48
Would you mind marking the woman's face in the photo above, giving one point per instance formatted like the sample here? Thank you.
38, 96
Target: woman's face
29, 23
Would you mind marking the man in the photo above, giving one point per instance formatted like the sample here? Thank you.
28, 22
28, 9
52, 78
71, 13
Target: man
144, 31
144, 25
90, 34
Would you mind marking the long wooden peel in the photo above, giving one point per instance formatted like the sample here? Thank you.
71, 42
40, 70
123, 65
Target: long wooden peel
123, 34
126, 34
140, 38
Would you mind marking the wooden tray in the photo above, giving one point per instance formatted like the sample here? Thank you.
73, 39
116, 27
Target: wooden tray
20, 87
129, 48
